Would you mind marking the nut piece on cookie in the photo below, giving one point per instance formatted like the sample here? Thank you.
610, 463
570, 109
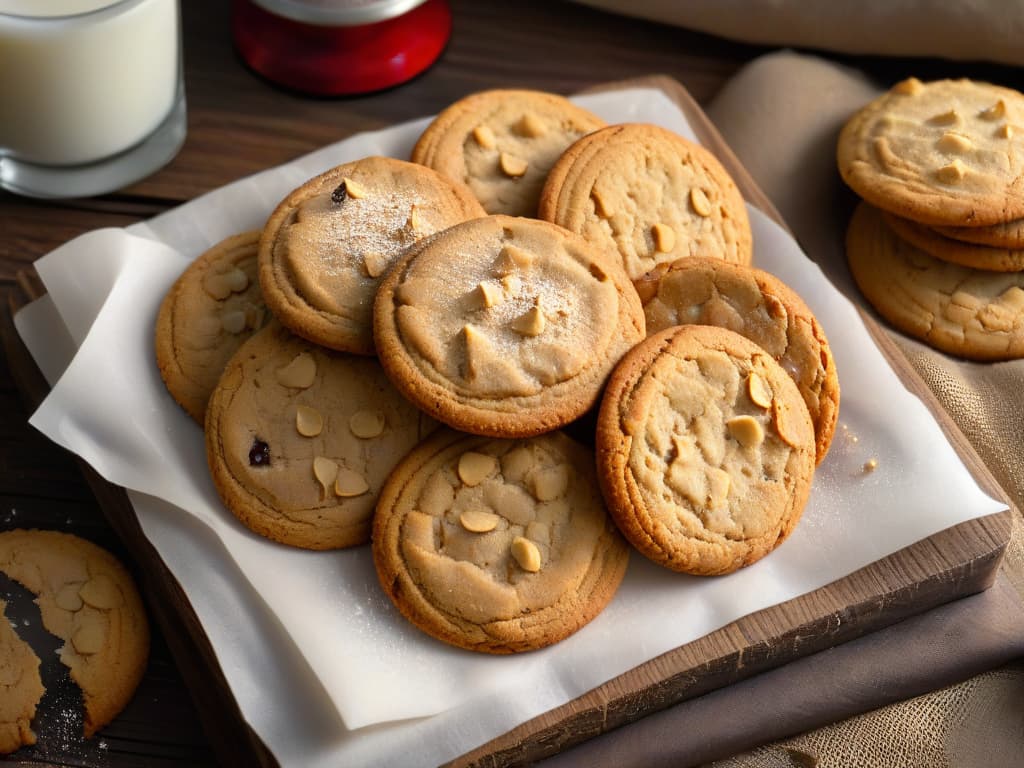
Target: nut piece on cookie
512, 165
485, 563
502, 144
298, 373
697, 476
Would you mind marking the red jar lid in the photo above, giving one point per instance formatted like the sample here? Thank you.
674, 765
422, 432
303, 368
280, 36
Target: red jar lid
338, 47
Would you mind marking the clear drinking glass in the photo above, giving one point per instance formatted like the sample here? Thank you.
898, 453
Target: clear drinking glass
91, 94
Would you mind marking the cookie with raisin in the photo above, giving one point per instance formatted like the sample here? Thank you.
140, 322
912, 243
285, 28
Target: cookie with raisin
327, 245
299, 439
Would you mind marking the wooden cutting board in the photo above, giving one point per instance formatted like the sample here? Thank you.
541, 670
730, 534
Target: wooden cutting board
957, 562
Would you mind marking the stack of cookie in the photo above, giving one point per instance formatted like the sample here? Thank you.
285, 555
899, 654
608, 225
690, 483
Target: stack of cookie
937, 246
431, 330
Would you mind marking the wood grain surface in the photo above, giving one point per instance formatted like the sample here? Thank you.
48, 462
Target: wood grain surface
239, 124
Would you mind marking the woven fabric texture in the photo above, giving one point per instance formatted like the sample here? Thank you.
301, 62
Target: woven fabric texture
781, 115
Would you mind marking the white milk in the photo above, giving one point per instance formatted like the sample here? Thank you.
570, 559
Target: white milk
75, 89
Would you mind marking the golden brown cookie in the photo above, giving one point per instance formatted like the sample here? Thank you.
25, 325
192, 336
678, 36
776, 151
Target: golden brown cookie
326, 245
705, 450
21, 688
210, 310
755, 304
299, 439
504, 326
497, 545
966, 312
1009, 235
943, 153
88, 599
649, 195
502, 144
947, 249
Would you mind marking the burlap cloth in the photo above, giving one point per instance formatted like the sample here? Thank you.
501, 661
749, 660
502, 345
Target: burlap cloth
805, 100
941, 690
972, 30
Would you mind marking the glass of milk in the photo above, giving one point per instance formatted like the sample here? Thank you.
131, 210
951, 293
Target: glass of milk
91, 94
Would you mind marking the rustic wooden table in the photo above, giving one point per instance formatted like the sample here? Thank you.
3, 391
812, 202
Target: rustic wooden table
239, 124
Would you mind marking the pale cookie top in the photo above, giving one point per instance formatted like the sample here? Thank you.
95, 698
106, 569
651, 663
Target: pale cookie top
299, 439
210, 310
326, 246
945, 248
650, 195
761, 307
21, 688
966, 312
941, 153
88, 599
502, 144
505, 326
497, 545
705, 450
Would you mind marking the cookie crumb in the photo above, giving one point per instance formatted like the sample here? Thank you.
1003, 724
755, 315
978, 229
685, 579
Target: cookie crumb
801, 758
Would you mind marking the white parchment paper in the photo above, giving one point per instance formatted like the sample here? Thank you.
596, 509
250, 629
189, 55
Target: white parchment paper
323, 667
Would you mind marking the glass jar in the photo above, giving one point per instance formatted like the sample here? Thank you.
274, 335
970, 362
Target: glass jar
338, 47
